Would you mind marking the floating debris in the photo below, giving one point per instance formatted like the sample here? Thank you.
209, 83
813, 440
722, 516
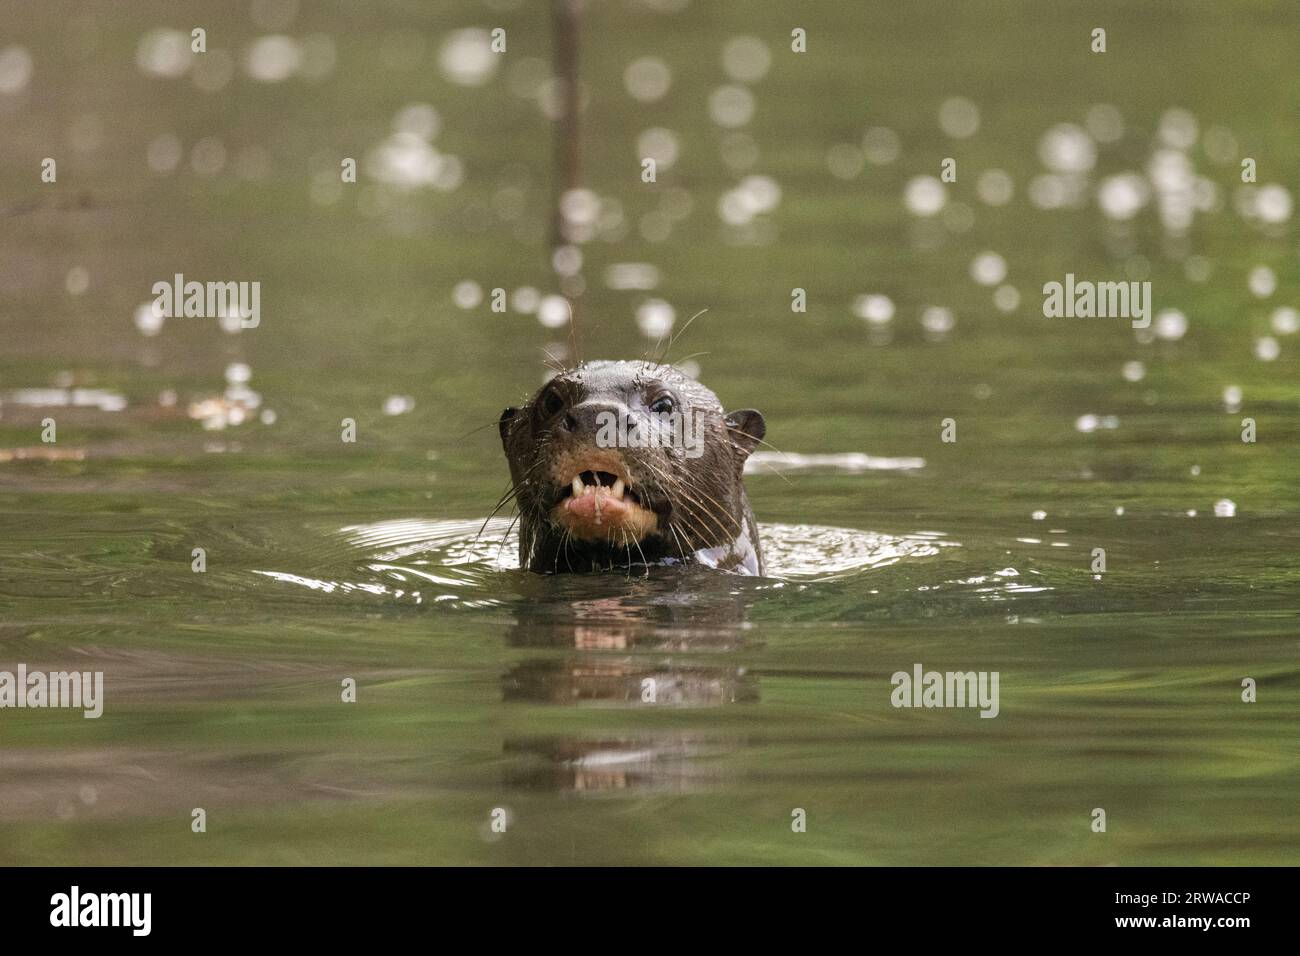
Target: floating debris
852, 462
42, 453
100, 398
1091, 423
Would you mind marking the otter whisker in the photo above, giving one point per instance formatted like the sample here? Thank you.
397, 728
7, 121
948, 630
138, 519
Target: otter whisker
512, 492
662, 361
681, 551
506, 537
554, 363
645, 563
682, 489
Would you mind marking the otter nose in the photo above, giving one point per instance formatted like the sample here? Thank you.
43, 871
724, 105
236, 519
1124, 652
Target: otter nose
599, 421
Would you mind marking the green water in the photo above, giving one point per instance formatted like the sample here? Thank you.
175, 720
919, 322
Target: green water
481, 687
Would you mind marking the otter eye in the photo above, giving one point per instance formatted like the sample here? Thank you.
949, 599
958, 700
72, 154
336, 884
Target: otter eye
663, 405
552, 404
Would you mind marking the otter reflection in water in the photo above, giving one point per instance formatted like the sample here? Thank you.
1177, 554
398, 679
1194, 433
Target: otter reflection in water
648, 643
598, 487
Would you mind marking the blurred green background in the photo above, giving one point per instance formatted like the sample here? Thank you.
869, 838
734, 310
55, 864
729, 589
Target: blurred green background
483, 688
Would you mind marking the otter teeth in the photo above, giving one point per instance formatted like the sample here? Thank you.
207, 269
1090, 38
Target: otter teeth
580, 488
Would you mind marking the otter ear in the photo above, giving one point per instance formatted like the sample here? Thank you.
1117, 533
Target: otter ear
746, 428
503, 426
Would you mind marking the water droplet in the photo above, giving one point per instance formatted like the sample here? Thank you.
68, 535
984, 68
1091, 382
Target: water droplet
467, 294
466, 57
925, 195
15, 69
937, 321
1006, 298
164, 53
1273, 203
525, 299
845, 161
959, 117
1285, 320
418, 119
77, 280
746, 59
1262, 281
1122, 196
1067, 148
731, 106
995, 187
553, 311
874, 308
1267, 348
398, 404
1170, 324
988, 268
270, 59
660, 145
655, 318
1178, 129
647, 79
148, 320
1105, 123
881, 145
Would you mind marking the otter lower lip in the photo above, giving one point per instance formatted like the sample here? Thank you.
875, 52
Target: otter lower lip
598, 506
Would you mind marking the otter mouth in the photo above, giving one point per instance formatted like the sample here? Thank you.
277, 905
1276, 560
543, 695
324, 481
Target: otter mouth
601, 483
597, 503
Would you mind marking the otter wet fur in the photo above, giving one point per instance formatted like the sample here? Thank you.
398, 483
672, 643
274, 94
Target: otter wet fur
627, 464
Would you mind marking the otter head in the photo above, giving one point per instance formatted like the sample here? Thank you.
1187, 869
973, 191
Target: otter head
625, 462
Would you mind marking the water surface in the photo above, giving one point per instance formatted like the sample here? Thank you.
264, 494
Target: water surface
484, 687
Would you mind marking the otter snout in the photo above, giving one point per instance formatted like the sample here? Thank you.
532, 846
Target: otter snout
599, 493
595, 420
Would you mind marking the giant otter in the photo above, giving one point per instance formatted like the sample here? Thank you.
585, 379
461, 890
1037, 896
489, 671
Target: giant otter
616, 464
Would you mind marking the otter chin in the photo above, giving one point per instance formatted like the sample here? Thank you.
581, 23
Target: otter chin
621, 464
